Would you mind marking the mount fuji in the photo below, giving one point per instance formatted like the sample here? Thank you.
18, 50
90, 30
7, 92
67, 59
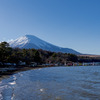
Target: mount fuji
30, 41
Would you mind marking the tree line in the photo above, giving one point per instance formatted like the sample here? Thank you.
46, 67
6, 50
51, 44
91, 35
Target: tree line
15, 55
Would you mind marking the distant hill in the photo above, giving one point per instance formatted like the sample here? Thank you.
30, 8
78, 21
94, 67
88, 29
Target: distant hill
30, 41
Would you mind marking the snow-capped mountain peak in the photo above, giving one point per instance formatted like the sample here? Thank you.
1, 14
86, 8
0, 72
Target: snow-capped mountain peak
33, 39
20, 42
30, 41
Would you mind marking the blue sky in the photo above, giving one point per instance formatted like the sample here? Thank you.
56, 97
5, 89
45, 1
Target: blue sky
66, 23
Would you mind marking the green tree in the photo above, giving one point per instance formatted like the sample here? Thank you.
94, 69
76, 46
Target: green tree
5, 52
37, 57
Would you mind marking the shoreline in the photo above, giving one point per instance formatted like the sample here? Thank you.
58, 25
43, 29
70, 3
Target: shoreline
8, 73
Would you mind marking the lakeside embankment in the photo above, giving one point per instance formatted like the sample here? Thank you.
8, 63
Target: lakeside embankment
6, 72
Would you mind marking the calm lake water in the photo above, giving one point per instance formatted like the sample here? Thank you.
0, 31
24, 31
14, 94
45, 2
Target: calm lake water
54, 83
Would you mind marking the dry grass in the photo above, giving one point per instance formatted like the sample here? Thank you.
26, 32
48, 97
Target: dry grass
92, 56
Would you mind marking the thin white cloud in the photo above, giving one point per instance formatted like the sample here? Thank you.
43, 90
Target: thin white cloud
10, 40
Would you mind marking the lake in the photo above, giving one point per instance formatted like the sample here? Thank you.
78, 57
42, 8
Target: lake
53, 83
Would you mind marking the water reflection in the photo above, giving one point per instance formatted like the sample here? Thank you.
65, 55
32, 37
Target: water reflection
56, 83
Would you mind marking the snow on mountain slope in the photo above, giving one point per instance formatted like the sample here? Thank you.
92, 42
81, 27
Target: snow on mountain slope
22, 41
30, 41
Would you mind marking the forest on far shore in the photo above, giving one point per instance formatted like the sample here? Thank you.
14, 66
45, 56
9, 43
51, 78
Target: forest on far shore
15, 55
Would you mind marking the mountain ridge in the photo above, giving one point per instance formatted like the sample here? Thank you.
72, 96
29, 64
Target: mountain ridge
31, 41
